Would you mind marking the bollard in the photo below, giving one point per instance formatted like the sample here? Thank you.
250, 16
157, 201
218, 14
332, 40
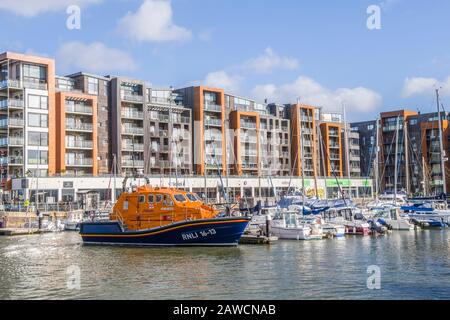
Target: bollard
268, 219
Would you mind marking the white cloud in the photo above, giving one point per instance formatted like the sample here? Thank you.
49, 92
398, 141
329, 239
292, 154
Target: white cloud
221, 79
153, 22
31, 8
424, 86
270, 61
309, 91
94, 57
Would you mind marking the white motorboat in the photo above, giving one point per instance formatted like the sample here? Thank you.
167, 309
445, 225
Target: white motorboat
353, 221
391, 218
286, 225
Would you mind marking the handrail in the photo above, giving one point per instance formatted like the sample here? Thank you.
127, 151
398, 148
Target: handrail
120, 218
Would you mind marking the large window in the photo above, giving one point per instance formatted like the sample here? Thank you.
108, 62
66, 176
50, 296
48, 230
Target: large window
92, 86
38, 139
38, 102
38, 120
35, 73
37, 157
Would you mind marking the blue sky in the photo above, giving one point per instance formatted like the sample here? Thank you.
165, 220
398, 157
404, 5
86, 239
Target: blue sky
320, 51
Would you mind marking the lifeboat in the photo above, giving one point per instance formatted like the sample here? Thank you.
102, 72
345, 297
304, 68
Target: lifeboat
148, 216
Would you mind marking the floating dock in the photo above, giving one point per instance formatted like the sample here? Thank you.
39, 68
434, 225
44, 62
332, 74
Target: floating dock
256, 239
19, 231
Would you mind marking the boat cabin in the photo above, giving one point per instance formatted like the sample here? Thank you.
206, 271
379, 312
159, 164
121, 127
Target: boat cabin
147, 207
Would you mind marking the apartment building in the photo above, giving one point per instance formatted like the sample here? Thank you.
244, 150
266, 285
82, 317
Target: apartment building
76, 134
209, 129
275, 133
351, 154
332, 146
27, 111
168, 135
304, 120
98, 86
128, 111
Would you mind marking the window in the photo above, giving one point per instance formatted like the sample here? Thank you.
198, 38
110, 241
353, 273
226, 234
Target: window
38, 73
37, 157
158, 198
105, 88
180, 198
125, 205
141, 199
38, 139
191, 197
38, 102
151, 198
92, 86
168, 201
413, 122
38, 120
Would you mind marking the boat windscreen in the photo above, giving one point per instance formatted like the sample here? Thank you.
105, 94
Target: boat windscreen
191, 197
179, 198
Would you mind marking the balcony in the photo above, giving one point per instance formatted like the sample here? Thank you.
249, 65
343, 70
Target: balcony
70, 126
139, 147
213, 122
11, 103
248, 125
132, 97
13, 141
80, 144
77, 108
163, 118
79, 162
250, 166
3, 161
131, 114
132, 163
210, 106
10, 84
133, 130
34, 84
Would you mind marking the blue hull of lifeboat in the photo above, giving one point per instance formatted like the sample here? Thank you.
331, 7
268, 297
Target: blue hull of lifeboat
213, 232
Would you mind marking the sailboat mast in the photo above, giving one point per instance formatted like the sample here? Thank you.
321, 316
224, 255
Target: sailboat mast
396, 161
441, 143
377, 158
302, 161
347, 153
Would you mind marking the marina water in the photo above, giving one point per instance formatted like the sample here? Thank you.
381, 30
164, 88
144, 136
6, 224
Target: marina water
413, 265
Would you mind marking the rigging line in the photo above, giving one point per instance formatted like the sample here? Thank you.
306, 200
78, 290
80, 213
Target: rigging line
370, 167
394, 137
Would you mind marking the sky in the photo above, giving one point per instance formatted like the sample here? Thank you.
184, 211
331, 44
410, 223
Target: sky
320, 52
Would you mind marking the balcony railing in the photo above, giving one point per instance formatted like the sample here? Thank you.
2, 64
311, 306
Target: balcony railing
16, 160
249, 166
133, 130
213, 107
80, 144
14, 141
248, 125
133, 146
16, 122
132, 97
12, 103
79, 162
163, 133
79, 126
9, 84
213, 122
79, 109
132, 114
35, 84
131, 163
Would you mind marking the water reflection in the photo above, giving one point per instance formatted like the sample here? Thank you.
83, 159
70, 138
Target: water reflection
413, 265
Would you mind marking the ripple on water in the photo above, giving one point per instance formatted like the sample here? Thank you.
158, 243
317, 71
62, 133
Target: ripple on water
414, 265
